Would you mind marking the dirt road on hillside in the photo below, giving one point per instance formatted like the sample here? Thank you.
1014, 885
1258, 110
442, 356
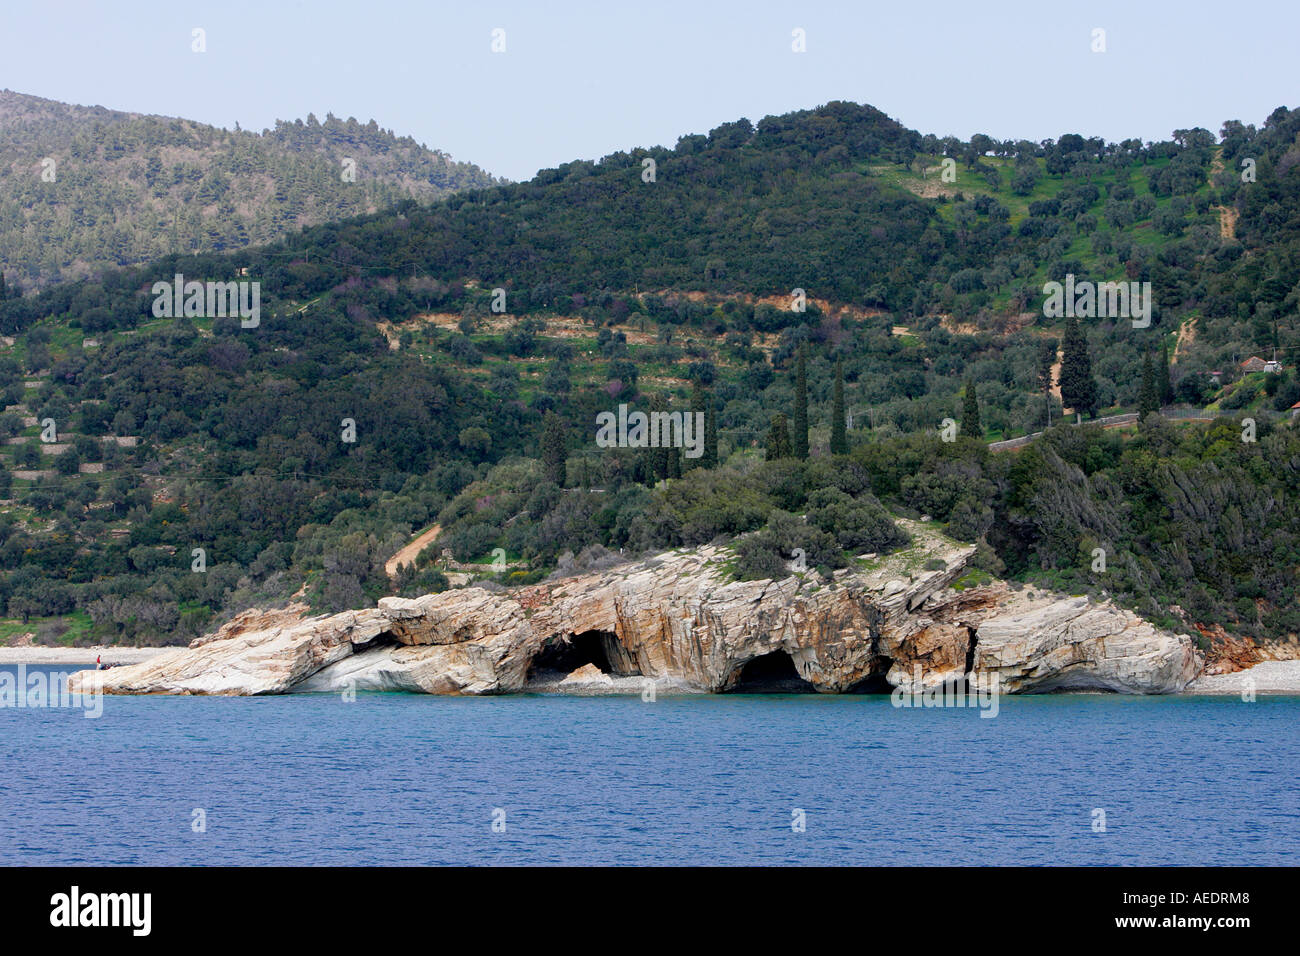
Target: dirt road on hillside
409, 553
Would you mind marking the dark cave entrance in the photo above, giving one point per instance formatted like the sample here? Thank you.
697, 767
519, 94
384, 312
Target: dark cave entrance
772, 673
382, 639
875, 682
565, 655
872, 684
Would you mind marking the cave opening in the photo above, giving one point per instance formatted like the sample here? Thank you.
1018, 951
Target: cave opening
382, 639
772, 673
565, 654
872, 684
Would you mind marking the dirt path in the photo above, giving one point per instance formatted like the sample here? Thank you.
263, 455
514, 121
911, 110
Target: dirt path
557, 326
1227, 215
409, 553
1227, 222
1186, 336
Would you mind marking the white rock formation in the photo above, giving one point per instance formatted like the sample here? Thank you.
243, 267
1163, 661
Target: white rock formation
678, 620
1055, 643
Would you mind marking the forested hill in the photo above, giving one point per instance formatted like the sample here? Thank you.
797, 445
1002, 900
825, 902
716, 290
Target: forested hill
446, 363
843, 202
82, 188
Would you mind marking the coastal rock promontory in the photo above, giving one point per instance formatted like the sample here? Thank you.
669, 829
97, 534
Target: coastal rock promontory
679, 620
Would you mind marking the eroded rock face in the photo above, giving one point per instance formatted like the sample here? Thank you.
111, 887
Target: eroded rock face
678, 621
254, 619
1228, 654
1054, 643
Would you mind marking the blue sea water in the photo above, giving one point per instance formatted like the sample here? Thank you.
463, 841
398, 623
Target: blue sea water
411, 779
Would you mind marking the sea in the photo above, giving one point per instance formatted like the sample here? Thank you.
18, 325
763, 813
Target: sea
405, 779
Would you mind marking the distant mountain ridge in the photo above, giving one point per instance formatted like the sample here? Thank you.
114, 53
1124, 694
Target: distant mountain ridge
83, 188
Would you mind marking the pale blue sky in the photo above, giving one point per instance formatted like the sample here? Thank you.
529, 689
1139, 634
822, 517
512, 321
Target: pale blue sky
581, 80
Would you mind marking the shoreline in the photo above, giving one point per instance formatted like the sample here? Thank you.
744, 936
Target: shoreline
1269, 677
40, 656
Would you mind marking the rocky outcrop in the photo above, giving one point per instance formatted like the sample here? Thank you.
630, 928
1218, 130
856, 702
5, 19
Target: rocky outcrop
1229, 653
1054, 643
677, 622
254, 619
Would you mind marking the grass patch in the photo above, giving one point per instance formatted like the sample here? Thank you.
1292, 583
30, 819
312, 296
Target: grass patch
973, 578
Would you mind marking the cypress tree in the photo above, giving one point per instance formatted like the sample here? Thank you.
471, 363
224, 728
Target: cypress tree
1148, 400
839, 429
4, 291
1047, 359
970, 413
657, 457
553, 448
1163, 385
799, 440
1078, 389
710, 457
778, 439
702, 401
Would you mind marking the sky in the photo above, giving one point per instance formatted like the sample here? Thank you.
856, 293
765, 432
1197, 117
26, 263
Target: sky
581, 80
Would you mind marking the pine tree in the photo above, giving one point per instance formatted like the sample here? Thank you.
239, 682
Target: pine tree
1148, 400
778, 439
1078, 388
799, 439
839, 430
553, 448
970, 413
1163, 385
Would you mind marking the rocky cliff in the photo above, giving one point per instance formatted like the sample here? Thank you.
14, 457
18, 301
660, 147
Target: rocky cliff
678, 620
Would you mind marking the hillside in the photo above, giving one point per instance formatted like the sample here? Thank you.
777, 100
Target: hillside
194, 433
84, 188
